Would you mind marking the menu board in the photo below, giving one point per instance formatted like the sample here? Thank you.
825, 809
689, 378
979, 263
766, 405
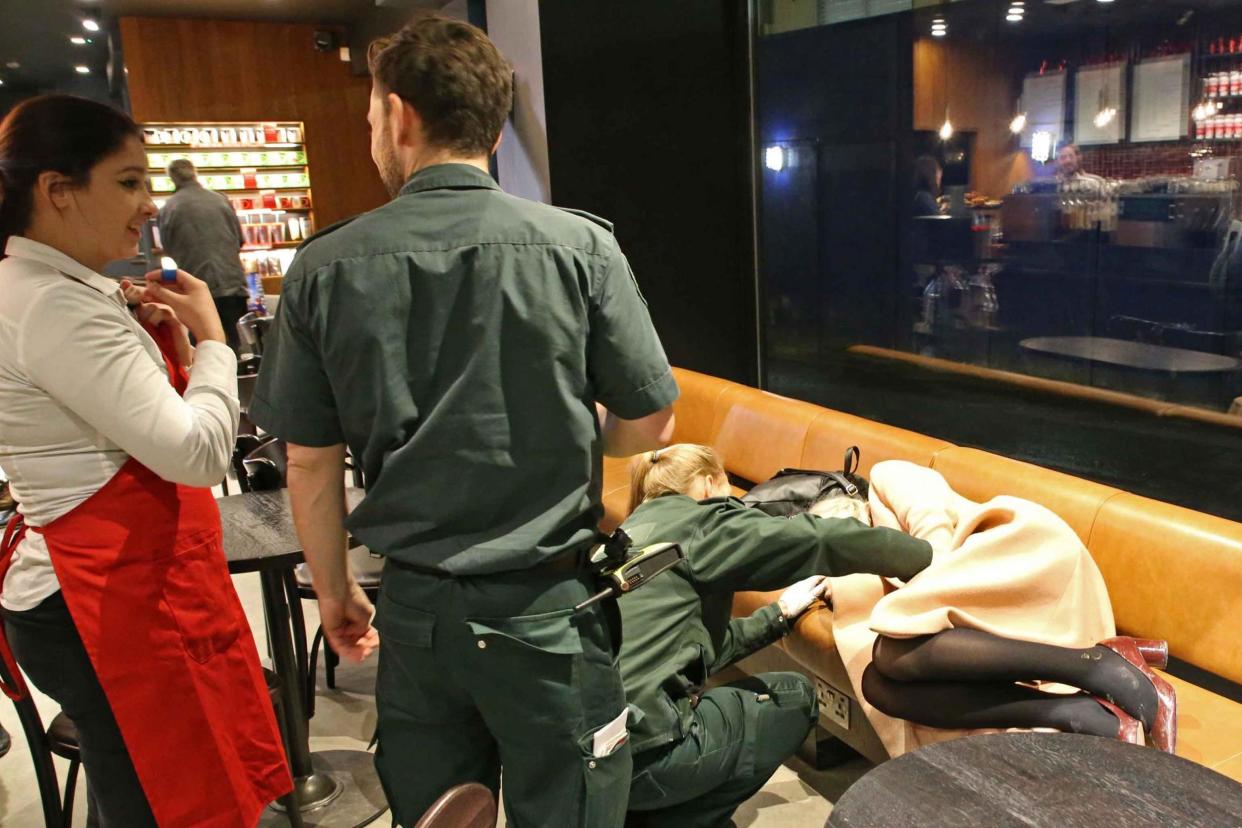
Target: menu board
1100, 104
1043, 99
1161, 99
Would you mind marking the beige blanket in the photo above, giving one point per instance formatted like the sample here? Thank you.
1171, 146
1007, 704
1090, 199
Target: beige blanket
1008, 567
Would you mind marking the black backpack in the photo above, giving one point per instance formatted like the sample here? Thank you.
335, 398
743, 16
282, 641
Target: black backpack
794, 491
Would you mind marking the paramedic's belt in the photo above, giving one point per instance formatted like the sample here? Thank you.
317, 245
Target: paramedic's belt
620, 569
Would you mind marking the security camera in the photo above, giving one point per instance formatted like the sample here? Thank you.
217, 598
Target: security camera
324, 40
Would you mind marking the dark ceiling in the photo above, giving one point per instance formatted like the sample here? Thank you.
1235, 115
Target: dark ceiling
35, 34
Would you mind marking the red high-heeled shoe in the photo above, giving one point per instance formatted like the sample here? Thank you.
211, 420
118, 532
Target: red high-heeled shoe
1164, 725
1129, 729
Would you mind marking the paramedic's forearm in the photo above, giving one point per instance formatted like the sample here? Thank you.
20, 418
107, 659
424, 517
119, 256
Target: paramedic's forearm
317, 495
623, 438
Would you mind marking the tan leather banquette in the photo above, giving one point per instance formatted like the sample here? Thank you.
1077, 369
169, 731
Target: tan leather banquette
1172, 573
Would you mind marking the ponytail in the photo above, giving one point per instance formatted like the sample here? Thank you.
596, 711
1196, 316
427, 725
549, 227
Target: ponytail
671, 470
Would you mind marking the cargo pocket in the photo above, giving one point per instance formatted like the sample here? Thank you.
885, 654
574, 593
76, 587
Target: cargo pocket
645, 792
200, 597
406, 654
532, 664
606, 783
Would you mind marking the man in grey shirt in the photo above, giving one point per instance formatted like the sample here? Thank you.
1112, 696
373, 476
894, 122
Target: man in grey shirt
199, 229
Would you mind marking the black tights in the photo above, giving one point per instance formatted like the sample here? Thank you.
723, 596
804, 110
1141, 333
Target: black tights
964, 678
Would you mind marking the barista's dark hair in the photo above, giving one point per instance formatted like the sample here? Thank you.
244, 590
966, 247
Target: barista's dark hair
454, 77
925, 169
58, 133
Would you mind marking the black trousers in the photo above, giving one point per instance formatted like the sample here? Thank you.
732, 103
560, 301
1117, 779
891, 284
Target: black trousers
48, 648
230, 308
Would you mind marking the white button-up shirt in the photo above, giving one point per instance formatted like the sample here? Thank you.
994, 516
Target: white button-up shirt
82, 389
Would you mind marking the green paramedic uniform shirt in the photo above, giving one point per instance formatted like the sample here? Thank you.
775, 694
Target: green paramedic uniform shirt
456, 339
678, 628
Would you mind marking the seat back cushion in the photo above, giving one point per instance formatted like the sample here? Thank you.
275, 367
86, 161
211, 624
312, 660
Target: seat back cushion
696, 407
1176, 574
832, 432
981, 476
761, 433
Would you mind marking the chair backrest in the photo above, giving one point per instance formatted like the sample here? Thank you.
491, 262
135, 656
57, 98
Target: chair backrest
464, 806
245, 444
266, 465
40, 751
250, 330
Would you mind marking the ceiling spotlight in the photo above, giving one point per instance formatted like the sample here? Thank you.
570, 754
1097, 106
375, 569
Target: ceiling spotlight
946, 129
12, 64
1104, 1
1018, 123
77, 41
82, 70
1, 82
1014, 18
90, 24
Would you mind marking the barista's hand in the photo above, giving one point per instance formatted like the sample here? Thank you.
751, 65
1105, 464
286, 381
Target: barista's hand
798, 598
191, 299
347, 624
155, 314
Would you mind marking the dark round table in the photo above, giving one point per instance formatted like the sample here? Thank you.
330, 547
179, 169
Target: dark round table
334, 787
1039, 780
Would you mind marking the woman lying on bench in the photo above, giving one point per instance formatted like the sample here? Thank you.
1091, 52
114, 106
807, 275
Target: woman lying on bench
1012, 599
699, 753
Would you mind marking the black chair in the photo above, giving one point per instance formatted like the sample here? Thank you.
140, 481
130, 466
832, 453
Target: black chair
264, 469
59, 739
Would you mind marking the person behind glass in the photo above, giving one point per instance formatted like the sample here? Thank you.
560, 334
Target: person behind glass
1070, 174
927, 178
462, 341
698, 754
116, 598
199, 229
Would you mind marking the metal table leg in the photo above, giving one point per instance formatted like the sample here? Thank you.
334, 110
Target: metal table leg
336, 788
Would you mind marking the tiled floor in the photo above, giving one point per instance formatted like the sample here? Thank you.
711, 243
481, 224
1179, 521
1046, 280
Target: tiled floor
796, 797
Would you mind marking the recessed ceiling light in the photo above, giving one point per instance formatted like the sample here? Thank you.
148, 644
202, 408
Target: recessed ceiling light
90, 24
12, 64
1014, 18
77, 41
82, 70
1, 82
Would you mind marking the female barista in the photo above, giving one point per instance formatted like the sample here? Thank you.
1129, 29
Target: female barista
698, 755
116, 597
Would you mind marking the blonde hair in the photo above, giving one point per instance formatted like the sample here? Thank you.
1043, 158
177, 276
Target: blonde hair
671, 470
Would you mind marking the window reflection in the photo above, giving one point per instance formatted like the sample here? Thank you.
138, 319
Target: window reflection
1045, 196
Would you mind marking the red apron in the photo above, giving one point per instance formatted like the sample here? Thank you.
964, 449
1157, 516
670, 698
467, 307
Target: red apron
141, 567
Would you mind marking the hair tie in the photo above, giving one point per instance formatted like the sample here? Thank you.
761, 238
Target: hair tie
655, 454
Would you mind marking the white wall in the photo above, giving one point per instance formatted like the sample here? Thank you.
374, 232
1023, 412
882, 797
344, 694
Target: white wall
522, 160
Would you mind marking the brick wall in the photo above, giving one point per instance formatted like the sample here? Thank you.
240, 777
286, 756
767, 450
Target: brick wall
1164, 158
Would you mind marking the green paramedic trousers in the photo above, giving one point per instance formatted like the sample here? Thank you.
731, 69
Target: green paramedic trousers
740, 735
480, 673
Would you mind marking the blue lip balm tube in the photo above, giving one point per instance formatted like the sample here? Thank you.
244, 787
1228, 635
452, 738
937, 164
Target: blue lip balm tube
168, 270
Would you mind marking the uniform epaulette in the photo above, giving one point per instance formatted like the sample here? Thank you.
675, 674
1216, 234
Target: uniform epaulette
602, 222
331, 228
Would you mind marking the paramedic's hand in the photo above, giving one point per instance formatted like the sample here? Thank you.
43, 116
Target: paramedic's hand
347, 624
798, 598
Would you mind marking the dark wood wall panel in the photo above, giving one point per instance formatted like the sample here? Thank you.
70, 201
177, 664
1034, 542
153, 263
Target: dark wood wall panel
218, 70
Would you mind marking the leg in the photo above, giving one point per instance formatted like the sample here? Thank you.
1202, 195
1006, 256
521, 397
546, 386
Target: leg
972, 706
551, 773
230, 308
965, 655
430, 736
740, 735
47, 645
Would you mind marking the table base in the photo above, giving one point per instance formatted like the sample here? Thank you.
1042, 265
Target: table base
346, 791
